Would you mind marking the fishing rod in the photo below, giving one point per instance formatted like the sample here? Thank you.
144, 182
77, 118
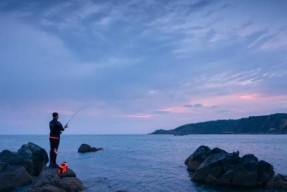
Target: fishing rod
72, 117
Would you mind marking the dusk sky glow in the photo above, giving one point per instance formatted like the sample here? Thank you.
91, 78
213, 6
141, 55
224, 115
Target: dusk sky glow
135, 66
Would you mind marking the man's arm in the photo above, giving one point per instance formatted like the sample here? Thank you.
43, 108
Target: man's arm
60, 126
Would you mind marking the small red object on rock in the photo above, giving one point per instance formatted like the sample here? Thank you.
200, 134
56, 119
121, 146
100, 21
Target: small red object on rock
63, 167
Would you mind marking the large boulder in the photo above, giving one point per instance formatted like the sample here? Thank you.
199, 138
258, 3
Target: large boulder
85, 148
14, 159
36, 154
220, 167
50, 180
12, 176
197, 157
265, 173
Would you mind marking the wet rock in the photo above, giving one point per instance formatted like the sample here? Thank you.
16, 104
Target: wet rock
14, 159
12, 176
85, 148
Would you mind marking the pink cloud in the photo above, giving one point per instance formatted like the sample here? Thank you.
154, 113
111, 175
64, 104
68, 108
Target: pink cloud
139, 116
249, 96
176, 109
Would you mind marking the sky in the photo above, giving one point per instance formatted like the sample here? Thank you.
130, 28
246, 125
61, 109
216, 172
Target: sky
135, 66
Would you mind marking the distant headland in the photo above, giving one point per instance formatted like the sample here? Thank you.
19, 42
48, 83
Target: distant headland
266, 124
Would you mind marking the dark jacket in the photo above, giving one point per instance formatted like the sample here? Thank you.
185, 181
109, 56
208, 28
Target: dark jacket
56, 128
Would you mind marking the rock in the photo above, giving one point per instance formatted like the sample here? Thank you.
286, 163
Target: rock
217, 166
49, 178
47, 188
85, 148
212, 165
211, 179
49, 173
265, 173
249, 162
243, 177
231, 160
12, 176
14, 159
226, 178
193, 165
278, 182
217, 150
195, 159
36, 154
16, 170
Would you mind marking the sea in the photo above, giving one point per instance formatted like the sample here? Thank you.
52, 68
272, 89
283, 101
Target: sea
150, 163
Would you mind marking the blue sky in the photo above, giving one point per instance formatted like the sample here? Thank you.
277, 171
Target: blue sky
139, 65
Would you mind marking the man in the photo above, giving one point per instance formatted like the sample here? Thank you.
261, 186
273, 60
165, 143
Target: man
56, 129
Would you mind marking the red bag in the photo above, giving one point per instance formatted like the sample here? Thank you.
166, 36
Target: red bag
63, 168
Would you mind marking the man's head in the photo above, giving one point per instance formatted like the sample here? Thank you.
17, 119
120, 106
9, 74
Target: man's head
55, 115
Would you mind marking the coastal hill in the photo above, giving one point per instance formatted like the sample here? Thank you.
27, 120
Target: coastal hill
267, 124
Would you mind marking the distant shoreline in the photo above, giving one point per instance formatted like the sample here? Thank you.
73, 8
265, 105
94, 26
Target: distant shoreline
266, 124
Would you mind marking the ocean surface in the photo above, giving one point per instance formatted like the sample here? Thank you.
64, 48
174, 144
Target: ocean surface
149, 162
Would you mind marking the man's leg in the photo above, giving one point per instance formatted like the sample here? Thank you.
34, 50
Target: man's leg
54, 144
57, 142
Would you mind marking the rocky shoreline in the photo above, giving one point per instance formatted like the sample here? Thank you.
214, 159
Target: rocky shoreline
218, 167
26, 170
27, 167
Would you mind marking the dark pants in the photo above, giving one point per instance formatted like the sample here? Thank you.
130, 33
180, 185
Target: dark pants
54, 144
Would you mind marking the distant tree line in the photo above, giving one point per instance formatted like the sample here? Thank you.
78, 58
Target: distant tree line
267, 124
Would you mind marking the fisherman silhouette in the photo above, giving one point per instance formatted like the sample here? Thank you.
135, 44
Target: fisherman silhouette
56, 130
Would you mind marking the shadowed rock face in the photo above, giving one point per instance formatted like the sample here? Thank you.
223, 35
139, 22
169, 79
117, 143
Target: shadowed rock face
13, 176
220, 167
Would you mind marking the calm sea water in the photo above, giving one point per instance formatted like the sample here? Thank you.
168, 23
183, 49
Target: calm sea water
149, 162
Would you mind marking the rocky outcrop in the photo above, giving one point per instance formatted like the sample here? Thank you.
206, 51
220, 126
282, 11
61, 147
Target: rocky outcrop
85, 148
217, 166
31, 156
50, 180
17, 169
